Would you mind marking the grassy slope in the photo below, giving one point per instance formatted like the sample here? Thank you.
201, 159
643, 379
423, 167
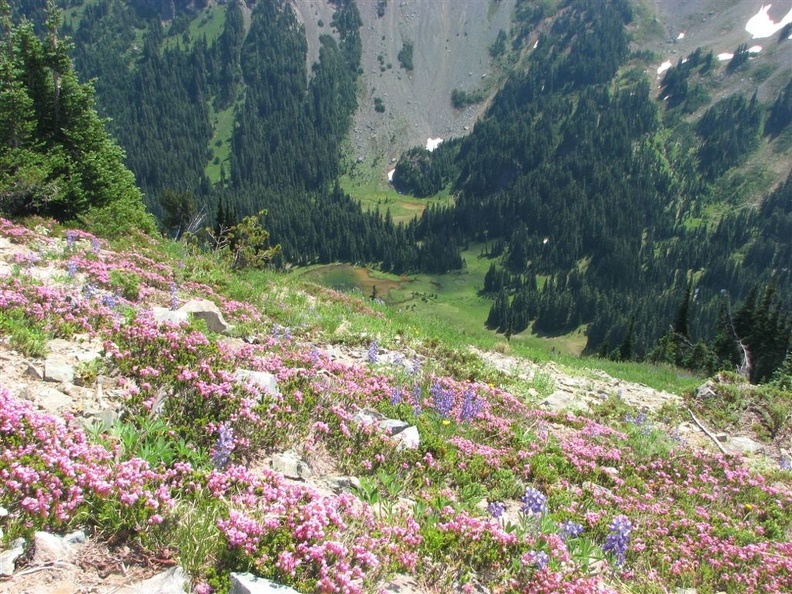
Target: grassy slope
591, 470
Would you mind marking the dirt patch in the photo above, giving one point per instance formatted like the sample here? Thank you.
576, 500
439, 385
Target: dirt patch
345, 277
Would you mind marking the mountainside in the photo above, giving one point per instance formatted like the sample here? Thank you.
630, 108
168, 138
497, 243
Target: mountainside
609, 158
177, 415
165, 417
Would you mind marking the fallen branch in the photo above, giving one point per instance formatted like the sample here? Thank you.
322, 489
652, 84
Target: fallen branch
705, 430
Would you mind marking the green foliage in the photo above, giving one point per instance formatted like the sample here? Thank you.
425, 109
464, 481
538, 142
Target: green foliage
56, 157
249, 243
405, 56
461, 99
125, 283
498, 47
24, 334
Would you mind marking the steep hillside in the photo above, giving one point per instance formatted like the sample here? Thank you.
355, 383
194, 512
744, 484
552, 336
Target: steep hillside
164, 417
450, 40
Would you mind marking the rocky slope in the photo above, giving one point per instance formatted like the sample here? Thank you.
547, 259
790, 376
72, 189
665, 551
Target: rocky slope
171, 424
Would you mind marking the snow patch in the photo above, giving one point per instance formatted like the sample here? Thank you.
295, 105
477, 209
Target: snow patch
761, 25
725, 56
664, 66
433, 143
536, 44
390, 175
754, 49
681, 36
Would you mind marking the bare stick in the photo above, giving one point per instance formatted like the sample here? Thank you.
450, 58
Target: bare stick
705, 430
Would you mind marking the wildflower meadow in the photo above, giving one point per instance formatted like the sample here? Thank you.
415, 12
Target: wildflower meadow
498, 493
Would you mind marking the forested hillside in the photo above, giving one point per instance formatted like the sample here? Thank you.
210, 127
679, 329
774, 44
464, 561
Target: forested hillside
234, 96
603, 207
645, 214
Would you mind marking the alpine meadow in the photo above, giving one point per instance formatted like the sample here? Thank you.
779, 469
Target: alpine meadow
418, 297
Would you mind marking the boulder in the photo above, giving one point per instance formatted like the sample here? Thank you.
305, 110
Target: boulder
57, 369
8, 558
247, 583
392, 426
409, 439
163, 314
263, 381
51, 548
208, 312
342, 483
744, 445
559, 401
52, 400
290, 465
172, 581
367, 416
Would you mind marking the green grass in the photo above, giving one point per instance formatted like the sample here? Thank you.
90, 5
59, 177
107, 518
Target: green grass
366, 185
223, 123
446, 310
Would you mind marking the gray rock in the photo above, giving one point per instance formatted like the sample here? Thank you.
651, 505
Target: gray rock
705, 391
50, 548
75, 538
685, 591
409, 439
722, 437
342, 483
32, 371
744, 445
163, 314
367, 416
8, 558
57, 369
173, 581
52, 400
263, 381
247, 583
392, 426
208, 312
560, 401
290, 465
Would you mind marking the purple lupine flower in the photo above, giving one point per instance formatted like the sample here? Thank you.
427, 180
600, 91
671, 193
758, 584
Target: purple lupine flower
534, 502
373, 352
416, 398
496, 509
618, 539
71, 268
109, 300
224, 446
786, 462
540, 559
71, 239
442, 399
88, 290
570, 529
174, 297
96, 246
415, 367
396, 396
470, 406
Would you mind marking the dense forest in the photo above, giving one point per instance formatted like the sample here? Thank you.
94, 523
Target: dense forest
164, 91
601, 203
591, 197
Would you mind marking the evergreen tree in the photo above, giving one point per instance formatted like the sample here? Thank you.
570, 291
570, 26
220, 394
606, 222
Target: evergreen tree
56, 158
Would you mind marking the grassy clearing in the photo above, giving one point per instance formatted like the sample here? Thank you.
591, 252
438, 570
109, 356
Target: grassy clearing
373, 192
220, 144
209, 23
446, 309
